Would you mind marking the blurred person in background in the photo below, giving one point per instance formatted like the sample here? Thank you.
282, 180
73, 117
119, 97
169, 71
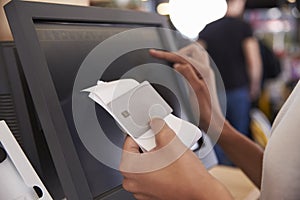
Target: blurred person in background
234, 49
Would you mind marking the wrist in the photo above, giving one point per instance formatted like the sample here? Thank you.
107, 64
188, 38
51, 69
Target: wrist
226, 133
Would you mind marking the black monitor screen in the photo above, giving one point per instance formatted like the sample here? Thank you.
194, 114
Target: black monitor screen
65, 46
54, 42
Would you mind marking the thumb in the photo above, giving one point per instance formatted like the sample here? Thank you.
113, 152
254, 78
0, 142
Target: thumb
130, 145
163, 133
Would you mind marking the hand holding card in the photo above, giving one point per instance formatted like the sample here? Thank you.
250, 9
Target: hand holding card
134, 104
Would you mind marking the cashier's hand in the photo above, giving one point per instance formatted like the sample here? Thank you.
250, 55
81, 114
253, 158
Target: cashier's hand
185, 178
193, 63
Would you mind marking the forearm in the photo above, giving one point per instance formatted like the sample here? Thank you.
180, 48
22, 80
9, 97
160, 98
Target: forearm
242, 152
254, 64
203, 185
255, 73
211, 190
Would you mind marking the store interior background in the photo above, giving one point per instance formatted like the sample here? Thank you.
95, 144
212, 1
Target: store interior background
275, 22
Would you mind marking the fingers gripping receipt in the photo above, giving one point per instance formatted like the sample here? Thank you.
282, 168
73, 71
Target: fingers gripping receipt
133, 105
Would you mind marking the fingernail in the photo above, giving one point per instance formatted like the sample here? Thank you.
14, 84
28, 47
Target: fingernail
176, 65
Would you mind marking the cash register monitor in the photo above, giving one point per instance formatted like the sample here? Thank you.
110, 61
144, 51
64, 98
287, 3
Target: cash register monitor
52, 42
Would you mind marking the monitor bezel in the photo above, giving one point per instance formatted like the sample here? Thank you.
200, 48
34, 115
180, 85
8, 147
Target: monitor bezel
21, 16
10, 62
26, 119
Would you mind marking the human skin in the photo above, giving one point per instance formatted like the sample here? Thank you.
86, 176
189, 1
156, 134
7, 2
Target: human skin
187, 178
192, 63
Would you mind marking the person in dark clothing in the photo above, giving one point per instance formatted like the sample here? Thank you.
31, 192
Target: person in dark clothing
232, 46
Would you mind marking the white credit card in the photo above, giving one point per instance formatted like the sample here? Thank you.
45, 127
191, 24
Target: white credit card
135, 109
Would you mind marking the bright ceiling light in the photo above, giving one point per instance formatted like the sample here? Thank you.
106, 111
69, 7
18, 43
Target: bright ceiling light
274, 13
163, 9
191, 16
